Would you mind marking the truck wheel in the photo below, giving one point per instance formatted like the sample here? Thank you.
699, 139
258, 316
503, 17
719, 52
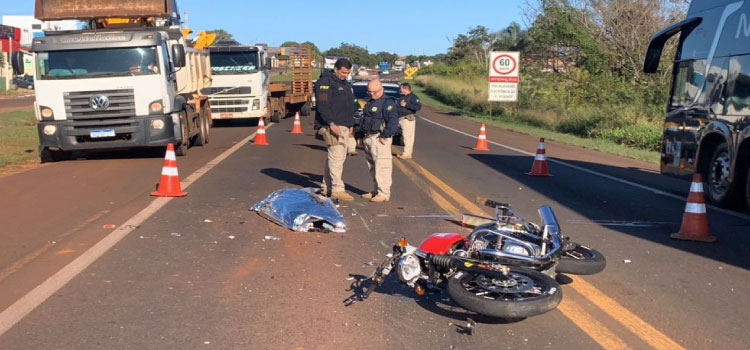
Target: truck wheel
306, 109
719, 190
180, 149
276, 116
48, 156
202, 137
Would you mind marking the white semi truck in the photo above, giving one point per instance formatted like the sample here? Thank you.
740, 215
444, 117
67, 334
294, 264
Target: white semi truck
242, 89
128, 81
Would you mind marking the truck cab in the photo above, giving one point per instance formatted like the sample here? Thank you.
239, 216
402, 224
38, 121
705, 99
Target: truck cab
240, 82
122, 83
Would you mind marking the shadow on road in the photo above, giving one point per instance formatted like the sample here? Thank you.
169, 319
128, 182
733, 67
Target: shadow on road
592, 198
302, 180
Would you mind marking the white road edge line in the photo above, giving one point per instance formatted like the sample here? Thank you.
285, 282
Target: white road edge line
26, 304
596, 173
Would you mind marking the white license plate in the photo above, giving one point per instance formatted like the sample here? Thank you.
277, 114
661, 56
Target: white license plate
226, 115
102, 133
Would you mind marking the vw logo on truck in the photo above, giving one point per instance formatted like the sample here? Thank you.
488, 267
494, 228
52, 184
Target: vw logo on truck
99, 102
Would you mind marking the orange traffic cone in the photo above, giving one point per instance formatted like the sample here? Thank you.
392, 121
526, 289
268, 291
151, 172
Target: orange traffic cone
539, 168
694, 221
481, 144
260, 134
169, 183
297, 127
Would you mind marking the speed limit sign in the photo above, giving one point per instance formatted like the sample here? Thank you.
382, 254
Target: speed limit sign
503, 71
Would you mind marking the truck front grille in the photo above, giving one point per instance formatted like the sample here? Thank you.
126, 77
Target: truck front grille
228, 109
226, 90
121, 106
219, 102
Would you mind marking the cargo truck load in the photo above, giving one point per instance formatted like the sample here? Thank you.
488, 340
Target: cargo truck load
127, 81
241, 87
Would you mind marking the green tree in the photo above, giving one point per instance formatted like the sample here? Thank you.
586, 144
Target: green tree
386, 56
289, 44
221, 35
357, 54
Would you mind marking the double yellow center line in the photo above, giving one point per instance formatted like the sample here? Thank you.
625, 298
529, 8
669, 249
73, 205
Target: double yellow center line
438, 190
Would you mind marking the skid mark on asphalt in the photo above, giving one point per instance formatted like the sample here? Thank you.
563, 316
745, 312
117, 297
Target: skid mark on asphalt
594, 329
596, 173
23, 306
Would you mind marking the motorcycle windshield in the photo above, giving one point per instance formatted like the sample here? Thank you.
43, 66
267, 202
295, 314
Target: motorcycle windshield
301, 210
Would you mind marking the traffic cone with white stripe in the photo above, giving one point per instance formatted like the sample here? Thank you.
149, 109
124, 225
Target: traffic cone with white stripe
297, 127
539, 168
694, 221
260, 134
481, 144
169, 183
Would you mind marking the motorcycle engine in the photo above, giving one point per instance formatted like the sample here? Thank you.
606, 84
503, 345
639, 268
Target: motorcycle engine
514, 248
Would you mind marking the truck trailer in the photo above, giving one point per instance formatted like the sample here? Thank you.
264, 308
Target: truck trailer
128, 80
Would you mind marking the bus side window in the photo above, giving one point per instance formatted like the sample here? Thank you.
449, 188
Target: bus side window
714, 91
738, 86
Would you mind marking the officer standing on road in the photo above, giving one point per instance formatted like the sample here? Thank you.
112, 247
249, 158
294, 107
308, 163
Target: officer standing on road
379, 124
335, 118
408, 105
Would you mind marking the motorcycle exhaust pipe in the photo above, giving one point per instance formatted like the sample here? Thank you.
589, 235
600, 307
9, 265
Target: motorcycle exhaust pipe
551, 227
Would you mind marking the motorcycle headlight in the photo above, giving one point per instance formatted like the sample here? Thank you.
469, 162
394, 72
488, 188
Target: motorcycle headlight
515, 249
409, 268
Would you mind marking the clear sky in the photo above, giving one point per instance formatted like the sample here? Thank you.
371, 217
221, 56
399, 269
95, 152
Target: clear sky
404, 27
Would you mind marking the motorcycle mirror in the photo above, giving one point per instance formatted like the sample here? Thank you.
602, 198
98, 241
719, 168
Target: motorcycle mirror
402, 242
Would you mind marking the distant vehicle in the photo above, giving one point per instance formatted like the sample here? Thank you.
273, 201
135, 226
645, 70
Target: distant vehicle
399, 66
383, 67
25, 82
706, 128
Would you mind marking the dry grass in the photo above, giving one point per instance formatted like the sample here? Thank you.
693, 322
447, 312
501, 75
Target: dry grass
18, 138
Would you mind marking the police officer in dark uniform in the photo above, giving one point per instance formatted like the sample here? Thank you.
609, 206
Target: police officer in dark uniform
379, 124
408, 105
334, 119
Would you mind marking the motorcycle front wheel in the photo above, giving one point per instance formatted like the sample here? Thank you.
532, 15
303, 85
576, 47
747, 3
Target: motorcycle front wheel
581, 260
524, 293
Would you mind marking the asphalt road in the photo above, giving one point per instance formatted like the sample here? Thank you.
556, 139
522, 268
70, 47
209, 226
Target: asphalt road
198, 273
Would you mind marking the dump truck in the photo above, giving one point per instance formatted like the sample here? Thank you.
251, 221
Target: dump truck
241, 87
128, 80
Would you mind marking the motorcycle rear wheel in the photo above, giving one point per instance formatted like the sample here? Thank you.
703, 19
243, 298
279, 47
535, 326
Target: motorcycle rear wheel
581, 260
524, 294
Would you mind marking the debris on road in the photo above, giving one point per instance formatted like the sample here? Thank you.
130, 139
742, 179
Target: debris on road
109, 226
230, 237
301, 210
627, 261
207, 220
272, 238
176, 234
468, 328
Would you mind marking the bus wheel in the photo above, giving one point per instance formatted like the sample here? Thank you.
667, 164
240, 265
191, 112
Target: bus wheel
720, 190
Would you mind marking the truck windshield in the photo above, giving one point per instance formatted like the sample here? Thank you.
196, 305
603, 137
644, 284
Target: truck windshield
95, 63
234, 62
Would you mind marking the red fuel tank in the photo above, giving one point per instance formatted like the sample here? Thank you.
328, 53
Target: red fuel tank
440, 243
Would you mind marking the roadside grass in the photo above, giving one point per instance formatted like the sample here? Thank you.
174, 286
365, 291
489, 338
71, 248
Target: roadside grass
286, 75
18, 137
526, 127
16, 92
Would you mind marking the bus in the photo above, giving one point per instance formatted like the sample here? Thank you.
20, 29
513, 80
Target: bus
707, 123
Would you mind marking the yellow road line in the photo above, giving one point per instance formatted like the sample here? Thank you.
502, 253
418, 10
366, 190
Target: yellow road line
595, 330
436, 197
629, 320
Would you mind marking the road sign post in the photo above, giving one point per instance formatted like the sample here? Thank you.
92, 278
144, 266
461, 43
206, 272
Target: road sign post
503, 76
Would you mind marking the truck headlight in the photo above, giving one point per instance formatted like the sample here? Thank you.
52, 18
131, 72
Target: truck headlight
156, 107
256, 104
157, 124
515, 249
49, 130
408, 268
46, 112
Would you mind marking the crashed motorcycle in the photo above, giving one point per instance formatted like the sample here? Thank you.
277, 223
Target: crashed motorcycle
487, 288
510, 239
